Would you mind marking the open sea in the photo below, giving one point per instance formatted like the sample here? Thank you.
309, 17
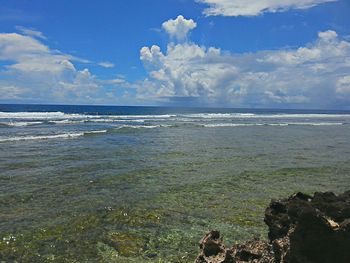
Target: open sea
144, 184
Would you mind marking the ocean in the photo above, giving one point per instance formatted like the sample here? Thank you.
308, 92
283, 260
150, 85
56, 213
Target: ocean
144, 184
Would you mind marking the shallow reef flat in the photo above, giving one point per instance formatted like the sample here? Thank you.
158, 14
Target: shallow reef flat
165, 227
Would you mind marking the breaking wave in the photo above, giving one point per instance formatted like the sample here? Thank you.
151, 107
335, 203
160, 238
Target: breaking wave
69, 135
217, 125
143, 126
20, 123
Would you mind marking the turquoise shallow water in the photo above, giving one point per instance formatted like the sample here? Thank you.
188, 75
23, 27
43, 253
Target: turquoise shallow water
144, 184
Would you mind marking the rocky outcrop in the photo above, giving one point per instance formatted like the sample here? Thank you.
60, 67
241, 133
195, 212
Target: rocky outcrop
302, 229
213, 251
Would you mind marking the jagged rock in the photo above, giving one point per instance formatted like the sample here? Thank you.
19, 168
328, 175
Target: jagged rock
255, 250
305, 229
281, 249
302, 229
213, 250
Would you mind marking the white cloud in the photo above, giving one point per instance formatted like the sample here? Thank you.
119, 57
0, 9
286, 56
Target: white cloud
81, 86
116, 81
314, 75
179, 28
255, 7
30, 32
14, 46
343, 85
35, 72
309, 76
327, 47
28, 54
186, 70
31, 71
11, 92
106, 64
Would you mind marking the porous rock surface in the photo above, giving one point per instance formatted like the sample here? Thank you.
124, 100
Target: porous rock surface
302, 229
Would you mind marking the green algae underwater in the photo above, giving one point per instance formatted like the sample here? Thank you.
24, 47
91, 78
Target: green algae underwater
149, 195
167, 232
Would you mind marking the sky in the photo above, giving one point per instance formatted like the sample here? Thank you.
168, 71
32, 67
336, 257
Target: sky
207, 53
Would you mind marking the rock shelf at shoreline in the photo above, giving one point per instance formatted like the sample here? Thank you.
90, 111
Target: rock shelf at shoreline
302, 229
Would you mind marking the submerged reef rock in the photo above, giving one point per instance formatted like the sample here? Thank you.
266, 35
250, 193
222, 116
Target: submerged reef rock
302, 229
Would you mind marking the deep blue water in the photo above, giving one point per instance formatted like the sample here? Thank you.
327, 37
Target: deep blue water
126, 110
139, 181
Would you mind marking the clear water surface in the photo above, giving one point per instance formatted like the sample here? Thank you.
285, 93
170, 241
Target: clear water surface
143, 184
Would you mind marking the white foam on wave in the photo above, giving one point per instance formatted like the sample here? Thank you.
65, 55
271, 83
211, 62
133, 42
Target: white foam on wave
70, 135
17, 119
116, 120
164, 116
316, 123
20, 123
306, 124
305, 116
42, 137
219, 115
217, 125
67, 121
93, 132
278, 124
96, 120
39, 115
67, 118
263, 116
143, 126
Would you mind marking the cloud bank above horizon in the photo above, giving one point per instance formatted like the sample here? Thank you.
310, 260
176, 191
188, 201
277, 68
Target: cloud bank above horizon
315, 74
312, 75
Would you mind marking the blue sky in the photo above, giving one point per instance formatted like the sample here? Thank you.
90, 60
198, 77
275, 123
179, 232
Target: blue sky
230, 53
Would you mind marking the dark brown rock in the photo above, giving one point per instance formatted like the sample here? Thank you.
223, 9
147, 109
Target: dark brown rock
213, 250
255, 250
310, 229
302, 229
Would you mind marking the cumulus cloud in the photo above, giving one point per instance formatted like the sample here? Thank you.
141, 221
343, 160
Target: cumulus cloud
255, 7
186, 70
11, 92
32, 71
315, 75
343, 85
327, 48
179, 28
28, 54
13, 46
106, 64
